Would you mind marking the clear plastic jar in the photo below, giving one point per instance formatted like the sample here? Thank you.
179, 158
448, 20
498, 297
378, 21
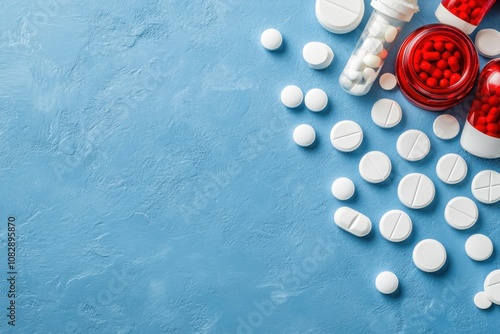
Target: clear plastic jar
481, 133
463, 14
436, 67
375, 43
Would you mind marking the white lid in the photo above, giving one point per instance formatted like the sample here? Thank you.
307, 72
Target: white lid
340, 16
488, 43
402, 10
445, 16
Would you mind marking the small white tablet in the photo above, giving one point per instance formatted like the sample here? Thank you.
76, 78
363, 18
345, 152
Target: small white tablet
343, 188
429, 255
271, 39
304, 135
386, 282
386, 113
346, 136
461, 213
492, 286
316, 100
486, 186
479, 247
482, 301
375, 167
395, 225
318, 55
451, 168
413, 145
416, 191
446, 127
388, 81
292, 96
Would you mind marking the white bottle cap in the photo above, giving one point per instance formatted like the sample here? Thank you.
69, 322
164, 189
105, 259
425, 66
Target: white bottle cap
402, 10
478, 143
445, 16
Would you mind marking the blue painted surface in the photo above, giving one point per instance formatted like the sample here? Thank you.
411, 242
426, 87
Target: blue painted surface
156, 187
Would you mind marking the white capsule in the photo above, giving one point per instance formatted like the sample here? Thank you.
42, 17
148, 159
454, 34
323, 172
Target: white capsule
352, 221
369, 74
372, 60
390, 34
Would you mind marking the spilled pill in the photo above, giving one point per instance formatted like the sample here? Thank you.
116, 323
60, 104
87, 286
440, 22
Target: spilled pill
352, 221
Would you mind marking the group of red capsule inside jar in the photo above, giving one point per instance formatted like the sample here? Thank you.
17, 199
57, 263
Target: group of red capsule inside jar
438, 63
470, 11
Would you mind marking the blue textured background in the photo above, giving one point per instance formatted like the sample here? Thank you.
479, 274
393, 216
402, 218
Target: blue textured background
151, 169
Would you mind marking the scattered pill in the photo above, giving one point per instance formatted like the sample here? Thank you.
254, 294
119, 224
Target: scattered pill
482, 301
451, 168
343, 188
461, 213
318, 55
316, 100
352, 221
271, 39
375, 167
304, 135
386, 113
486, 186
492, 286
386, 282
479, 247
387, 81
395, 225
339, 16
292, 96
429, 255
488, 43
446, 127
346, 136
371, 60
416, 191
369, 74
413, 145
390, 34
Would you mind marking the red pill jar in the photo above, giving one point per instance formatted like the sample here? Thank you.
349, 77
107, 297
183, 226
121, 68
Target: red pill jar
481, 133
463, 14
459, 70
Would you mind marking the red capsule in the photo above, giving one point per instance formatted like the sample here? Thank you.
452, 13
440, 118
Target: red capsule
481, 128
485, 108
428, 47
492, 127
445, 55
432, 56
432, 82
417, 58
447, 74
457, 55
454, 64
442, 64
464, 8
475, 13
493, 101
439, 46
450, 46
464, 16
481, 120
444, 83
455, 77
423, 76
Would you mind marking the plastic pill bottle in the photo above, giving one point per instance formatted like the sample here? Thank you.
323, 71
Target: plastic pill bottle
379, 34
481, 133
463, 14
436, 67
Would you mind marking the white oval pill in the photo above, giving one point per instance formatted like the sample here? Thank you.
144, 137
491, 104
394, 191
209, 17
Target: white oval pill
461, 213
339, 16
390, 34
492, 286
429, 255
387, 81
353, 75
386, 113
375, 167
488, 43
451, 168
346, 136
369, 74
304, 135
395, 225
372, 60
343, 188
355, 63
416, 191
482, 301
292, 96
479, 247
413, 145
352, 221
387, 282
446, 127
271, 39
486, 186
316, 100
318, 55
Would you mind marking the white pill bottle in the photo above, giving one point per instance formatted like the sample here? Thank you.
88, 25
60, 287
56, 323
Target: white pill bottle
384, 25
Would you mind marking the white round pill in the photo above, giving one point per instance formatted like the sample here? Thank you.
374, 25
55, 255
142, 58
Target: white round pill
304, 135
486, 186
387, 282
451, 168
318, 55
390, 34
395, 225
369, 74
429, 255
316, 100
346, 136
353, 75
461, 213
271, 39
343, 188
339, 16
488, 43
371, 60
386, 113
492, 286
387, 81
479, 247
482, 301
416, 191
375, 167
413, 145
446, 127
292, 96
